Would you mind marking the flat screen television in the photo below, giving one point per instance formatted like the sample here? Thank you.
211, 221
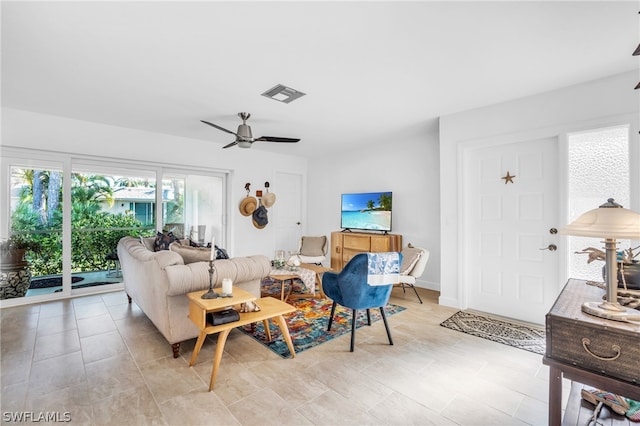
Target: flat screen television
369, 211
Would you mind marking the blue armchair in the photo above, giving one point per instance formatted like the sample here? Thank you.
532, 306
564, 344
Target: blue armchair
350, 289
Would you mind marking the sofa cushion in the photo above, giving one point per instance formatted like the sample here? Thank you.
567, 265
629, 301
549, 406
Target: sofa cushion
191, 254
163, 241
195, 276
313, 246
410, 256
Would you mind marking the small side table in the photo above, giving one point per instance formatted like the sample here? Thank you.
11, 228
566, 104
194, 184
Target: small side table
283, 279
270, 308
319, 270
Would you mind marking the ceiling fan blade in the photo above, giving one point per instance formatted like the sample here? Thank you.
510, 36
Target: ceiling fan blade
218, 127
230, 145
276, 139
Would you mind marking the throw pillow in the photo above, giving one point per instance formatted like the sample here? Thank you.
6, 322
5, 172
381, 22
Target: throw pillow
163, 241
191, 254
410, 256
313, 246
148, 242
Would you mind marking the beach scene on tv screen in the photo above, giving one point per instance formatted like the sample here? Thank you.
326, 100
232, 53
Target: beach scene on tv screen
367, 211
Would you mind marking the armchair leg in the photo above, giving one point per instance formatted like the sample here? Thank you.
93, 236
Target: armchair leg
386, 325
333, 312
416, 291
368, 317
353, 328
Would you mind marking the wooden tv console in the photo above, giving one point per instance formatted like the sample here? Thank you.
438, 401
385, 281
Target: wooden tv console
345, 245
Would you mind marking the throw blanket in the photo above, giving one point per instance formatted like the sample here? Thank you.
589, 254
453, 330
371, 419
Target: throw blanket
383, 268
307, 276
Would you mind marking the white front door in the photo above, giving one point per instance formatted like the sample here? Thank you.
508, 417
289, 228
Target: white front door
508, 225
288, 210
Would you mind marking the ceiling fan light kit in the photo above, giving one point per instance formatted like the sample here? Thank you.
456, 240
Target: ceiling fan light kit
244, 137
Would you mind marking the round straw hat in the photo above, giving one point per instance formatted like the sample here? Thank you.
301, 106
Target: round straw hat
248, 206
269, 199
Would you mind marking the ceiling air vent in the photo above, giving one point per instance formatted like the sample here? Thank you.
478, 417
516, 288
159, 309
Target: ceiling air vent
283, 93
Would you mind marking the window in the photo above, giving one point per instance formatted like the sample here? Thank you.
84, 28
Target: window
598, 170
107, 200
194, 206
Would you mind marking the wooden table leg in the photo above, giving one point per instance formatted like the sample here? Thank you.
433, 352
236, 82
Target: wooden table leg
319, 286
267, 330
222, 338
555, 396
284, 329
282, 290
289, 292
196, 349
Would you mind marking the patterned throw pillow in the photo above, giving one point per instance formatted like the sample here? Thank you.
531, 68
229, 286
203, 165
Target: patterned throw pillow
163, 241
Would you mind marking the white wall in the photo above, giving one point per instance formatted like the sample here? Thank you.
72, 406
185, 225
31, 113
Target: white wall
407, 166
598, 103
68, 137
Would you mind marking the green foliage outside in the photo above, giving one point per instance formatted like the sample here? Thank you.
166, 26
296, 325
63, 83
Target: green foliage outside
93, 237
95, 233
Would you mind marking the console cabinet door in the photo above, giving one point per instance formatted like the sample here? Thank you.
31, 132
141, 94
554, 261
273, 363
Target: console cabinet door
336, 250
346, 245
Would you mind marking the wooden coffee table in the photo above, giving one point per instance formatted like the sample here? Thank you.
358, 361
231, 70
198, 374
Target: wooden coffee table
270, 308
283, 279
319, 270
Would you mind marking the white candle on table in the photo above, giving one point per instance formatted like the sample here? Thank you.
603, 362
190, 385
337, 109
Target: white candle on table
226, 285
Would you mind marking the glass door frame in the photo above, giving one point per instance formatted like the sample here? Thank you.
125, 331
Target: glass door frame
17, 157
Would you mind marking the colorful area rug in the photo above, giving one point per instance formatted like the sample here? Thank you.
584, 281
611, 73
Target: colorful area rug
308, 324
510, 334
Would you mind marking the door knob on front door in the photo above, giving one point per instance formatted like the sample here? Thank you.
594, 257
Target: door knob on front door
550, 247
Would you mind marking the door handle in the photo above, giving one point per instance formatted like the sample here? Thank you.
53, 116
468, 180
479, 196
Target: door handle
550, 247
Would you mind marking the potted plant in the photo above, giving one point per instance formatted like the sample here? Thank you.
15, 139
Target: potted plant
15, 276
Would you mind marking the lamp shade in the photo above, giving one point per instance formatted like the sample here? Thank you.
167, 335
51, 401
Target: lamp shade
610, 220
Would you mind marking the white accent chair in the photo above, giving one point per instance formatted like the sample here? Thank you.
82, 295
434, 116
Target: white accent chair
413, 265
313, 249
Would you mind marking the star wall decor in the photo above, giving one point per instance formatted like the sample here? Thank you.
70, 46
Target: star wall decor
508, 178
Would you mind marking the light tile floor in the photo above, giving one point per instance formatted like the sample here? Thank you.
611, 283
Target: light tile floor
103, 362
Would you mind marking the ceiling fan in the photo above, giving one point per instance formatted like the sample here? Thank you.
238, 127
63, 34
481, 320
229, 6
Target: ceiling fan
244, 137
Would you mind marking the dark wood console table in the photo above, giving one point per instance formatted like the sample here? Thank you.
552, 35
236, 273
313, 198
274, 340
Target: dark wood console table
587, 349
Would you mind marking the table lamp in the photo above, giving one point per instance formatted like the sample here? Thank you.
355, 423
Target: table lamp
609, 221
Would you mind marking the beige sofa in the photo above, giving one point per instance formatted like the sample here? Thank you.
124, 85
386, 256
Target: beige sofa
159, 281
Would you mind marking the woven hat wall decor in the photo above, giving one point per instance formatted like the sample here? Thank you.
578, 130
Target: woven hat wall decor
269, 199
256, 207
248, 204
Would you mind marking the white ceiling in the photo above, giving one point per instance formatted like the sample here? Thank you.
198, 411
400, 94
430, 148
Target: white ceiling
372, 71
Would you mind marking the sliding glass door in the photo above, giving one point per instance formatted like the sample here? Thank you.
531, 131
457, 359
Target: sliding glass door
106, 206
35, 231
71, 213
194, 207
